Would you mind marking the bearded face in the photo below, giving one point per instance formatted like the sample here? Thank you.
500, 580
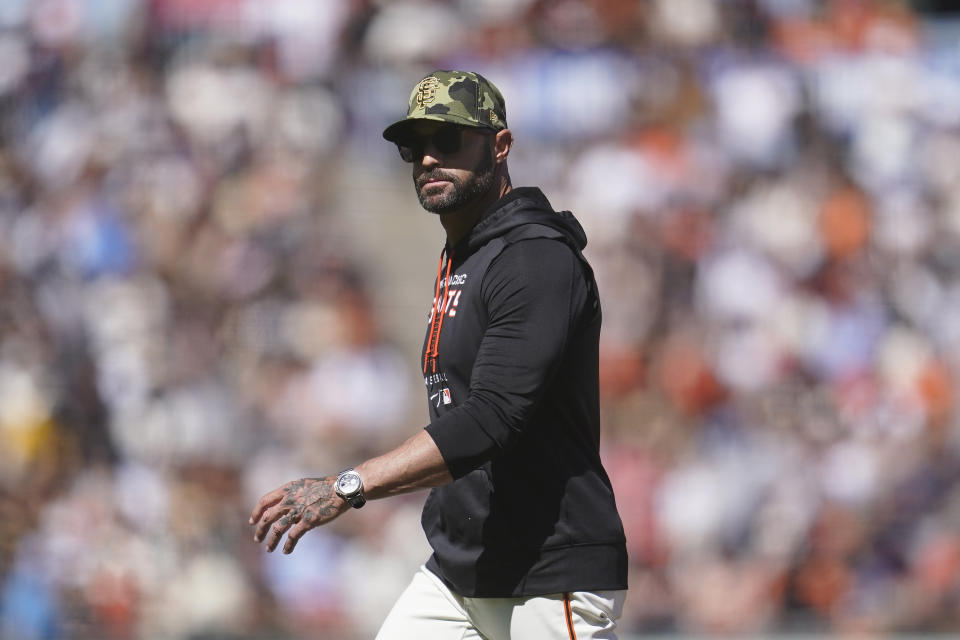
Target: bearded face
452, 166
442, 191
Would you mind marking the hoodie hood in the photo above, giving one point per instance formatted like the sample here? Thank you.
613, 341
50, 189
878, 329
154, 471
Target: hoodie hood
521, 206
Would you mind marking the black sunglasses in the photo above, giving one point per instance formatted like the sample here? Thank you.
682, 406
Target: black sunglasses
446, 139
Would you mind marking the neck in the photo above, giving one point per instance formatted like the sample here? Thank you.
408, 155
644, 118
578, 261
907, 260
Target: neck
458, 223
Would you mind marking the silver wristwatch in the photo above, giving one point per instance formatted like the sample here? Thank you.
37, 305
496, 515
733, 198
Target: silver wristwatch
349, 486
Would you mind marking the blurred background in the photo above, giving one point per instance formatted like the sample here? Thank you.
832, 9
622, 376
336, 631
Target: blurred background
215, 277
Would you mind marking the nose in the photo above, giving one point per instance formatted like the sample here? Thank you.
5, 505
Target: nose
431, 155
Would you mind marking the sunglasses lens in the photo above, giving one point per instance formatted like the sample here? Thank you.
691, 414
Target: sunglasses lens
408, 152
447, 139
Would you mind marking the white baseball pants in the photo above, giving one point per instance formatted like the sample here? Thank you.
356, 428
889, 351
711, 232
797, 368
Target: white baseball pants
428, 610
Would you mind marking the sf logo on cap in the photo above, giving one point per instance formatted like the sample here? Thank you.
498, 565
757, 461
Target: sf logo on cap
427, 91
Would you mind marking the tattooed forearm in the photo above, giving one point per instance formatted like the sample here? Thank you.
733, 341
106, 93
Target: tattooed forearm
304, 504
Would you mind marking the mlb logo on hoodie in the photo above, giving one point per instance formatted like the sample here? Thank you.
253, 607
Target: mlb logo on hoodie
446, 396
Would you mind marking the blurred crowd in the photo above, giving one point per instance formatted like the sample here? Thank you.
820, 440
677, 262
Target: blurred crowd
214, 278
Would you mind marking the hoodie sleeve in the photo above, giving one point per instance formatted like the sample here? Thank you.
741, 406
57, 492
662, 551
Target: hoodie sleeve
534, 291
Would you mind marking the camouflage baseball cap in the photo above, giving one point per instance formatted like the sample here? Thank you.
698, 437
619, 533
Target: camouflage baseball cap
460, 97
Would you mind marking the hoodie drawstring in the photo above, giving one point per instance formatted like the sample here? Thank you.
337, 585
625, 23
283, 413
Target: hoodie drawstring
432, 352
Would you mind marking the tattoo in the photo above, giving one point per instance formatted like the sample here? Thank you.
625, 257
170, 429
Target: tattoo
312, 499
295, 508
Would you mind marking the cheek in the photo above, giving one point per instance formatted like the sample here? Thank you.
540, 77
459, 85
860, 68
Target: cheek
484, 156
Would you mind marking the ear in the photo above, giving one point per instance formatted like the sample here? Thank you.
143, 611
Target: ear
501, 145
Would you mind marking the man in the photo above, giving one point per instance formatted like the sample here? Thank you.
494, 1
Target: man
521, 516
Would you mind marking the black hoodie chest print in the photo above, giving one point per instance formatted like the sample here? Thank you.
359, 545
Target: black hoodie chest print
448, 302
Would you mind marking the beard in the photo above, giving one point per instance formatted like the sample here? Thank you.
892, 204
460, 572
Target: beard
463, 191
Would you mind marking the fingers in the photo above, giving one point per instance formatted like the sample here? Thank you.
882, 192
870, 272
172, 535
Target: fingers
281, 523
267, 501
295, 534
278, 529
269, 517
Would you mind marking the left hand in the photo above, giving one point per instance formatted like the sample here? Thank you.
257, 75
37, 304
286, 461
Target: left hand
301, 504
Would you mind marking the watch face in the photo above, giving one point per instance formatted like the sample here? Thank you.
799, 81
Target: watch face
349, 483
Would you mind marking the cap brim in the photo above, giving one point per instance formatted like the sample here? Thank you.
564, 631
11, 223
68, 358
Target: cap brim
399, 128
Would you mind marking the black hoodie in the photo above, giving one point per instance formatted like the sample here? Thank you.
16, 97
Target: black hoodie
510, 364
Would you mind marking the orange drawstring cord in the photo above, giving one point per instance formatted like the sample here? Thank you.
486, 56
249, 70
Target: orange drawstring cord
433, 313
443, 311
432, 352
